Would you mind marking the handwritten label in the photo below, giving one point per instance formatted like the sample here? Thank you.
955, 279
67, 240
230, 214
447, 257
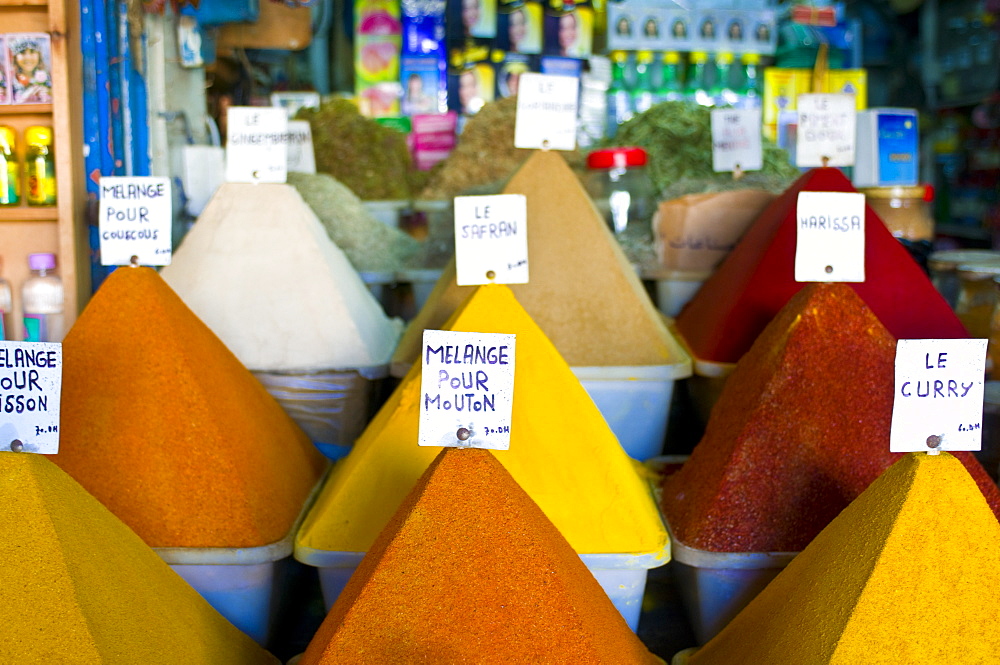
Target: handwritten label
256, 144
491, 239
736, 142
546, 111
826, 130
939, 393
301, 156
30, 388
135, 219
830, 237
466, 389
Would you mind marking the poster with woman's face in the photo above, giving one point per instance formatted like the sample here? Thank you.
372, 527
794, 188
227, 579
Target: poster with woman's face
4, 76
520, 29
471, 87
570, 34
475, 18
677, 30
30, 58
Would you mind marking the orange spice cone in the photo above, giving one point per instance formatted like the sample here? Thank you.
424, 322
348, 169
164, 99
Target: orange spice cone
905, 575
800, 430
79, 586
167, 429
583, 292
470, 570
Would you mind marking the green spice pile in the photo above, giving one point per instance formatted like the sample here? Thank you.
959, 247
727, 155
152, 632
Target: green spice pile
372, 160
485, 154
678, 138
370, 245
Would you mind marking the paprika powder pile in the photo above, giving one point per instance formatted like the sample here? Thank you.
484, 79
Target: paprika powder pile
757, 278
470, 570
562, 452
80, 587
906, 574
165, 427
800, 430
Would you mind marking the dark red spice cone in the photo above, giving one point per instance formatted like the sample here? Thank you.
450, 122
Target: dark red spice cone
470, 570
758, 277
800, 430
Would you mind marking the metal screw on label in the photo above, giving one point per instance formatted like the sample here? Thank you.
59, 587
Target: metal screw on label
16, 445
490, 275
256, 174
545, 144
826, 161
463, 434
134, 261
828, 269
934, 443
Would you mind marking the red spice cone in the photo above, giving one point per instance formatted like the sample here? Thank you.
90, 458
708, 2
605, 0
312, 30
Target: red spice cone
758, 277
469, 570
800, 430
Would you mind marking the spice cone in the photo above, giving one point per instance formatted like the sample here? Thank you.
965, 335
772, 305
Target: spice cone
164, 426
79, 586
755, 281
907, 574
800, 430
562, 453
470, 570
260, 270
583, 293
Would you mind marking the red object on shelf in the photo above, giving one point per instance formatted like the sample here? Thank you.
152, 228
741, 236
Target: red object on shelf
821, 16
758, 277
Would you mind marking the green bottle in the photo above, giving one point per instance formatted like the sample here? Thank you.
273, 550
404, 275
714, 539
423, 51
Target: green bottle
642, 94
619, 99
10, 174
722, 93
695, 89
750, 97
670, 88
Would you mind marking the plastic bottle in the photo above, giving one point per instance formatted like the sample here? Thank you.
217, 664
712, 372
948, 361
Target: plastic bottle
42, 300
722, 92
619, 100
642, 93
10, 174
6, 307
670, 88
694, 83
40, 166
750, 97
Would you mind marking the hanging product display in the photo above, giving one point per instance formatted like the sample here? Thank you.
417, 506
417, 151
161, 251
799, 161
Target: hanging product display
88, 590
919, 543
469, 566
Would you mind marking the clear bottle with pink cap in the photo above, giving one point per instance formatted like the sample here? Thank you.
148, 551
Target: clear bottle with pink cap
42, 299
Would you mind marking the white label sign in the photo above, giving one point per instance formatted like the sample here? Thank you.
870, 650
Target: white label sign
491, 239
546, 111
466, 389
830, 237
135, 220
939, 393
30, 385
301, 157
736, 142
256, 144
826, 130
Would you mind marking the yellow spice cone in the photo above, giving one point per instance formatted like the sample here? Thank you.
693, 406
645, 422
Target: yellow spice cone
583, 292
907, 574
78, 586
469, 570
562, 453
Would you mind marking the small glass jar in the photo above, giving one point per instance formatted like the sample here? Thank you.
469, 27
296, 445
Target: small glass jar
905, 211
621, 189
944, 264
977, 296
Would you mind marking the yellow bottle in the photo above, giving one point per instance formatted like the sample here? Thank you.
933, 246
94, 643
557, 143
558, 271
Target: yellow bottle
40, 167
10, 174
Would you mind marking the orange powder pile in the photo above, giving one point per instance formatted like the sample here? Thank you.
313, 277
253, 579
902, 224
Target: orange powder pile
469, 570
80, 587
167, 429
800, 430
906, 575
583, 293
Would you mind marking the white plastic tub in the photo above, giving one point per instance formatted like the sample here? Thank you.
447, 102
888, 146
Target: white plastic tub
388, 212
635, 401
239, 582
421, 281
706, 384
715, 586
332, 406
622, 576
376, 281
